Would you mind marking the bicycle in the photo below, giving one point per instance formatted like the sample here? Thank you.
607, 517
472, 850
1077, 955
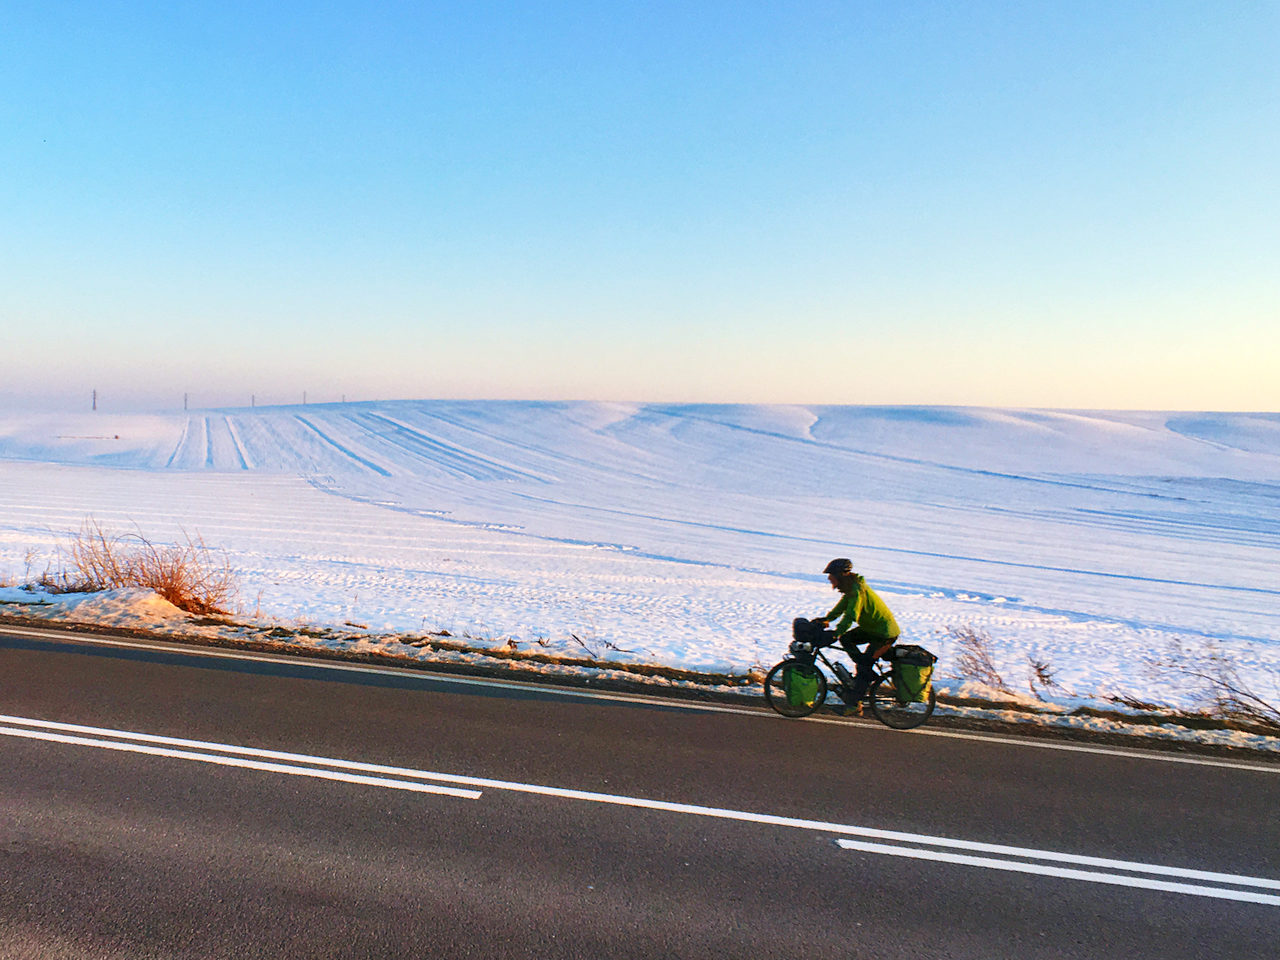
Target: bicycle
797, 687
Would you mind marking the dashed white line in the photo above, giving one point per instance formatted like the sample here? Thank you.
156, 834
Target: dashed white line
1092, 876
232, 761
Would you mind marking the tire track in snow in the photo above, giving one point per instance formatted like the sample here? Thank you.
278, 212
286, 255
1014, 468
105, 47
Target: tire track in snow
466, 464
186, 428
880, 548
583, 465
340, 448
269, 438
236, 442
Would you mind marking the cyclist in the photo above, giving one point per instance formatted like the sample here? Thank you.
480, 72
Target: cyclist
864, 619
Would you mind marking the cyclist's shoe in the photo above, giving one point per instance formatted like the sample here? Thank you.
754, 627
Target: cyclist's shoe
847, 710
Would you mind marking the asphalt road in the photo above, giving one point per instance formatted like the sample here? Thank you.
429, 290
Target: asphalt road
169, 803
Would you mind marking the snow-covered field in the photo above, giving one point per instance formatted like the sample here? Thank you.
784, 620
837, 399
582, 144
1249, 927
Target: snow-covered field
691, 535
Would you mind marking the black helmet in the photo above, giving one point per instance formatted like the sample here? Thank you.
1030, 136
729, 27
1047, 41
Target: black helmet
839, 567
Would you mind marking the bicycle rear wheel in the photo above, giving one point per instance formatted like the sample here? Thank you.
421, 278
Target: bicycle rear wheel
899, 714
795, 688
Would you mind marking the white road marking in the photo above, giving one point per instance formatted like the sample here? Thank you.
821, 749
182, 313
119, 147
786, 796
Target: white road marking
1221, 893
119, 740
1103, 751
669, 703
297, 771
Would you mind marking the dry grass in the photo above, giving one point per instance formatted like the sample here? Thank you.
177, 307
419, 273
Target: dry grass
186, 574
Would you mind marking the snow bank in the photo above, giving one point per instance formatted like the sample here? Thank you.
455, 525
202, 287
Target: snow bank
129, 607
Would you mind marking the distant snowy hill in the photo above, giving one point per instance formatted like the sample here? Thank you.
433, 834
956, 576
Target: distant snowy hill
453, 437
692, 534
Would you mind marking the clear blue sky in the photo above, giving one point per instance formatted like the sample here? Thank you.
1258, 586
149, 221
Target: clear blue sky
1045, 204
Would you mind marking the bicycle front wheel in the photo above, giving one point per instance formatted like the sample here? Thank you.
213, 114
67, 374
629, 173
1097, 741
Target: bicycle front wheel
896, 713
795, 688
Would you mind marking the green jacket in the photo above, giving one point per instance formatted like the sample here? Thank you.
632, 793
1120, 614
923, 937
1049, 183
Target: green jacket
864, 608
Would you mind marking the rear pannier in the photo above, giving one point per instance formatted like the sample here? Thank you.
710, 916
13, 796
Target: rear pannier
912, 672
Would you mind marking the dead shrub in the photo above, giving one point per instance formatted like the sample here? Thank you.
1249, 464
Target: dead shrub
186, 573
1222, 692
1136, 703
64, 582
1042, 679
973, 662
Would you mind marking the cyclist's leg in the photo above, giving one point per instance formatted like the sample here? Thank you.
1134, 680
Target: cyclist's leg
864, 660
865, 673
862, 673
850, 642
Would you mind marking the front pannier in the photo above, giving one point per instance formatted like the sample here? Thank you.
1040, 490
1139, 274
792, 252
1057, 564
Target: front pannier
801, 683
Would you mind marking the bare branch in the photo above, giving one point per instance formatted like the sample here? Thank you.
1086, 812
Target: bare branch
974, 659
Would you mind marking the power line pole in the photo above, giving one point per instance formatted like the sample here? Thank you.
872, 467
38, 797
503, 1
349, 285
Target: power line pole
95, 399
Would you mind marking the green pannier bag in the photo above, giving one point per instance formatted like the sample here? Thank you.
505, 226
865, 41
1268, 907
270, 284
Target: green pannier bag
912, 673
801, 684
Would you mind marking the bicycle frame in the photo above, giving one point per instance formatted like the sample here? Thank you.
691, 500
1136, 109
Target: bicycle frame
843, 677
